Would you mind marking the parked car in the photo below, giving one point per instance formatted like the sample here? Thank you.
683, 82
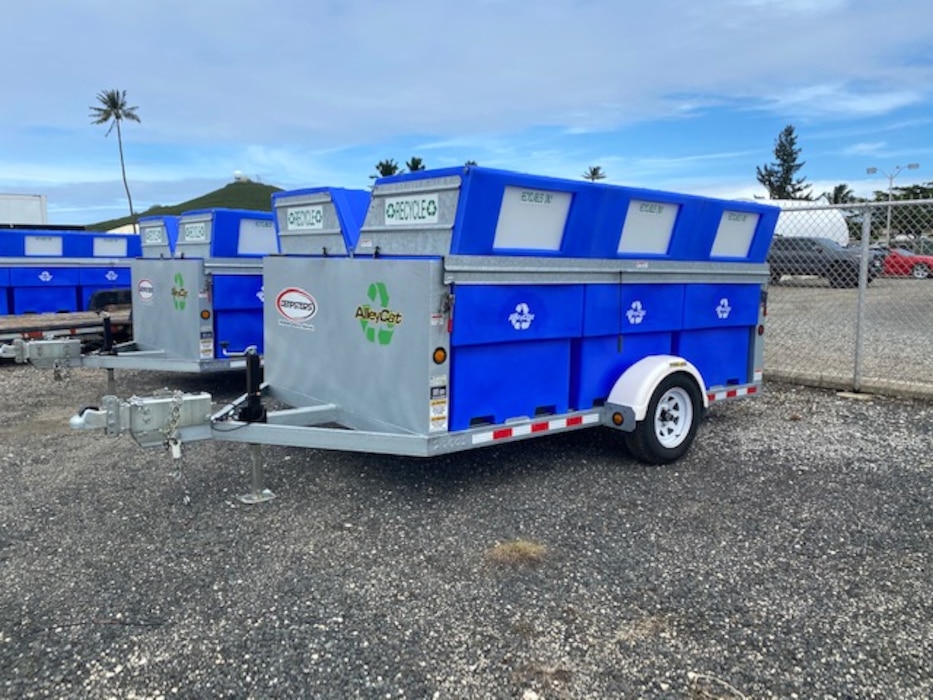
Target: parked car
878, 251
901, 262
821, 257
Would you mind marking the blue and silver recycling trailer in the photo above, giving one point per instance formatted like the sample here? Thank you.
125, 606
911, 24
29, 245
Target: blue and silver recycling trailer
481, 306
196, 297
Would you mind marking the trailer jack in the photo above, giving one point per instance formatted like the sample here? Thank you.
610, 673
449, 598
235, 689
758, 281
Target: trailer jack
254, 412
258, 493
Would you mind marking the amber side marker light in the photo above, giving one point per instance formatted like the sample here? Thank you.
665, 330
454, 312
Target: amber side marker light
617, 419
440, 356
205, 314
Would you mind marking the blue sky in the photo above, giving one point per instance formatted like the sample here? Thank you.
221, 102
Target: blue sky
670, 94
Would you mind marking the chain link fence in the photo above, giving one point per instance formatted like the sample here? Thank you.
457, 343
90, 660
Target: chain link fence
850, 303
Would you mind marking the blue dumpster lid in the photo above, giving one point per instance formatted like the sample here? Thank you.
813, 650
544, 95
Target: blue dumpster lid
500, 212
350, 207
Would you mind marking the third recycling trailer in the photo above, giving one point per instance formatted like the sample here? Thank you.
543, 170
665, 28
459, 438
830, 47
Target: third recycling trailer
481, 306
196, 295
50, 280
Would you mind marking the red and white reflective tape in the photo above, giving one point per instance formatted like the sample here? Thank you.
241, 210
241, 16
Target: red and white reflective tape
535, 428
732, 393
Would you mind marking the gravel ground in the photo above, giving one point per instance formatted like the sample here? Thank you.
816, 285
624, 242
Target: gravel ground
788, 555
812, 335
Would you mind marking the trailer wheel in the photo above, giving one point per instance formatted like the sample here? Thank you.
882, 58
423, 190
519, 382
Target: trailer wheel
670, 424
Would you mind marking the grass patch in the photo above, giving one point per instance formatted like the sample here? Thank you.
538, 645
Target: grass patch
517, 552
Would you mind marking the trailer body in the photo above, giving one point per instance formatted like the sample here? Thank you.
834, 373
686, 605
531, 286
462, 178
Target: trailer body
48, 271
480, 306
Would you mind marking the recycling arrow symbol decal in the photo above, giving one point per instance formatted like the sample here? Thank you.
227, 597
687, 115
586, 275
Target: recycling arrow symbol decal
377, 320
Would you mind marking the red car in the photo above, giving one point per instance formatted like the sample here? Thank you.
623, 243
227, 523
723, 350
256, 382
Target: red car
901, 262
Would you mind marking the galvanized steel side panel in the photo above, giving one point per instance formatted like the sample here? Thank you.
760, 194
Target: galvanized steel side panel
167, 295
359, 333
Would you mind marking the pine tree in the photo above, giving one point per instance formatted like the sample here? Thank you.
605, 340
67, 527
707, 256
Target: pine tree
779, 178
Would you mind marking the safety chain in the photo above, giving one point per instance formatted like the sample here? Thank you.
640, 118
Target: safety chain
174, 445
59, 370
170, 430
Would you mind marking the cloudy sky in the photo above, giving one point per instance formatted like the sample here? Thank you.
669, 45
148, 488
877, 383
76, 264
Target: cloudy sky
669, 94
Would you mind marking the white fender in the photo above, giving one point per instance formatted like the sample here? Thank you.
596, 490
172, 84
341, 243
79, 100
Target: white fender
636, 385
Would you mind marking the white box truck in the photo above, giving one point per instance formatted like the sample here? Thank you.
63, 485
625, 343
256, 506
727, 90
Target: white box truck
22, 209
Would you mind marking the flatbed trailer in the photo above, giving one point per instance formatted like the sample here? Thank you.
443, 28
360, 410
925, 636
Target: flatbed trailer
80, 325
479, 307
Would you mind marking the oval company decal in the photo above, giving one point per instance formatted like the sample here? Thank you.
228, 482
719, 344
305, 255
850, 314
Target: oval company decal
296, 304
145, 289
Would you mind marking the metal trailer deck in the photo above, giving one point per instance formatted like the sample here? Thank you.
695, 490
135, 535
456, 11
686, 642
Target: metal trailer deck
49, 325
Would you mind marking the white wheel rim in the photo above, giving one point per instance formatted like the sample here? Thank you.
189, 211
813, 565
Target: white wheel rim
920, 272
673, 417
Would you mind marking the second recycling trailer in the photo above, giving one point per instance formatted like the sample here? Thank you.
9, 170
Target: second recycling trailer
483, 306
196, 297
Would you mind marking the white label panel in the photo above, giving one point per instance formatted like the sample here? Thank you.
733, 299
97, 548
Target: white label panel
734, 235
532, 219
648, 227
44, 245
257, 237
412, 210
195, 232
308, 218
109, 247
153, 235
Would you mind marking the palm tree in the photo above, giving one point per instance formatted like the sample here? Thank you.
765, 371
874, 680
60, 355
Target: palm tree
415, 164
470, 162
841, 194
114, 110
385, 168
594, 173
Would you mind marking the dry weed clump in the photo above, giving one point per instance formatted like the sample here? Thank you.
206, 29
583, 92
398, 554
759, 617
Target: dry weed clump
517, 552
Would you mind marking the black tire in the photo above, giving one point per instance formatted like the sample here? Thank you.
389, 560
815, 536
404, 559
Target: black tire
920, 271
670, 424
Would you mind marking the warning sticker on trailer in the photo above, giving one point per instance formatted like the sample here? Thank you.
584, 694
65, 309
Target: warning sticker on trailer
438, 415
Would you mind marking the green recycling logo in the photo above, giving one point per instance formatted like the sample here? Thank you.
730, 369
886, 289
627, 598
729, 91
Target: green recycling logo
376, 319
179, 293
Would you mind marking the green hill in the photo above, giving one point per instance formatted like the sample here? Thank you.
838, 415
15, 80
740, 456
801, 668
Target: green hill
237, 195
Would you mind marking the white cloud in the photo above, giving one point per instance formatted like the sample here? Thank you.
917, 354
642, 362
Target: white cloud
305, 90
865, 149
828, 99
